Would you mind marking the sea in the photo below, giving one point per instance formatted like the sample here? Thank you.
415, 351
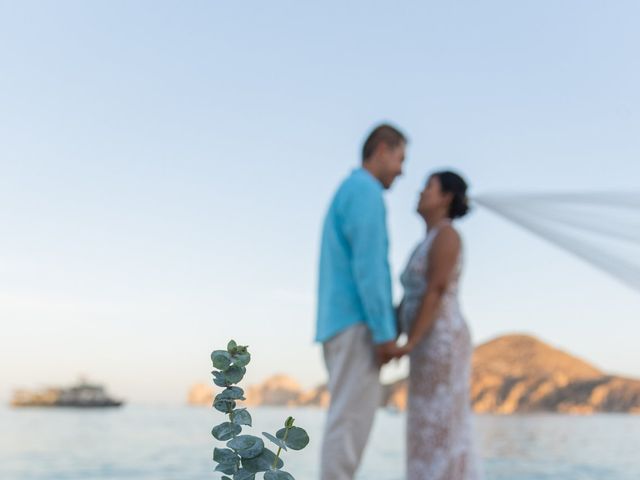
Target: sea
175, 443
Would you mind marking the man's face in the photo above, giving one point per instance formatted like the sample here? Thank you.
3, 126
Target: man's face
391, 160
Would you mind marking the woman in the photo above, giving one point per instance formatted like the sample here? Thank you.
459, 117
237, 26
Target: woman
439, 430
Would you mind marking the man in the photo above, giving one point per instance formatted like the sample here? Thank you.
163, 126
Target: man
356, 322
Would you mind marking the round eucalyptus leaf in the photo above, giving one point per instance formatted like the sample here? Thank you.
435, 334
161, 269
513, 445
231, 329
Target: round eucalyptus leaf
231, 393
232, 347
277, 441
241, 359
241, 417
297, 438
228, 460
224, 455
225, 431
221, 359
262, 462
247, 446
243, 474
234, 374
228, 468
277, 475
224, 406
219, 379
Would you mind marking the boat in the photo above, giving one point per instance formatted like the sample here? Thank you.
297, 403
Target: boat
81, 395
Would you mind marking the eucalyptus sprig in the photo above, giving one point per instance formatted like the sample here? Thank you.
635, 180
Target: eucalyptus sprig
246, 455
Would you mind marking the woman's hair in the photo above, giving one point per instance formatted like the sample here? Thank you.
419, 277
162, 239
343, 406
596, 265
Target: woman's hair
451, 182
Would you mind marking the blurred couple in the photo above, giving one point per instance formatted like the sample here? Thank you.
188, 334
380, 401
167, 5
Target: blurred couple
358, 325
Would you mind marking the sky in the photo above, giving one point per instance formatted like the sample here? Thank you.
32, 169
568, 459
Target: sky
165, 167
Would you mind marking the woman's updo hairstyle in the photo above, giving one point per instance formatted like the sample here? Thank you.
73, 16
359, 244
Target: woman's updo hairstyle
453, 183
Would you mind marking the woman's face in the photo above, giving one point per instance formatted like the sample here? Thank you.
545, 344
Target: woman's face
432, 198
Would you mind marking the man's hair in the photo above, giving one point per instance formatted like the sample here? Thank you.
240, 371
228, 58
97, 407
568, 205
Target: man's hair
390, 136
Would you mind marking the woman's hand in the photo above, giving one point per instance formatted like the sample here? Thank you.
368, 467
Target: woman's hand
389, 351
401, 351
385, 352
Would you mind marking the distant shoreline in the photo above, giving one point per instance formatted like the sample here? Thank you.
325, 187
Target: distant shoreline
512, 374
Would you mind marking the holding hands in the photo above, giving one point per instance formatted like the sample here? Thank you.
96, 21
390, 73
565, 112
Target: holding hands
385, 352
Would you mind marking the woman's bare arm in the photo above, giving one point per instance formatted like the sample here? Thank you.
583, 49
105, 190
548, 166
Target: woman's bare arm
443, 256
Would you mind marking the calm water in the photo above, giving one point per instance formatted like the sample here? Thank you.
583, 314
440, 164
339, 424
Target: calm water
175, 444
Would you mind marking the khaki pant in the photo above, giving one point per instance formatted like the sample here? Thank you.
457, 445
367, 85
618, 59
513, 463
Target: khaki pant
355, 391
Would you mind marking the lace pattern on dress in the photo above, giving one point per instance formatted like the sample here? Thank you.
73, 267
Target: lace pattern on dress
439, 419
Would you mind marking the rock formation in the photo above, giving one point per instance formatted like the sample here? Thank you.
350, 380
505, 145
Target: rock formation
200, 394
276, 390
519, 373
511, 374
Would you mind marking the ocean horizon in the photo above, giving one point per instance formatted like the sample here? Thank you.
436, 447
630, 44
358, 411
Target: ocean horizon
175, 443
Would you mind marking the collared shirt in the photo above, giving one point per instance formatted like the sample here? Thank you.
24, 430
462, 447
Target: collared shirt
355, 282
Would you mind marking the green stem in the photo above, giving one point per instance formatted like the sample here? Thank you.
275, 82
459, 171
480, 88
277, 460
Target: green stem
275, 461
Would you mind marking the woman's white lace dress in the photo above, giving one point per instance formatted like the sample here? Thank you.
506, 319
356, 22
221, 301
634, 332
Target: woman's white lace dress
439, 422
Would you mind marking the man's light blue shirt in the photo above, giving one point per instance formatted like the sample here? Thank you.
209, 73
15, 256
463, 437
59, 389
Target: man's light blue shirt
355, 282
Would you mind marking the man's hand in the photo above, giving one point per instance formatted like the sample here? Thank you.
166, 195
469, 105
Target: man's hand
402, 351
385, 352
